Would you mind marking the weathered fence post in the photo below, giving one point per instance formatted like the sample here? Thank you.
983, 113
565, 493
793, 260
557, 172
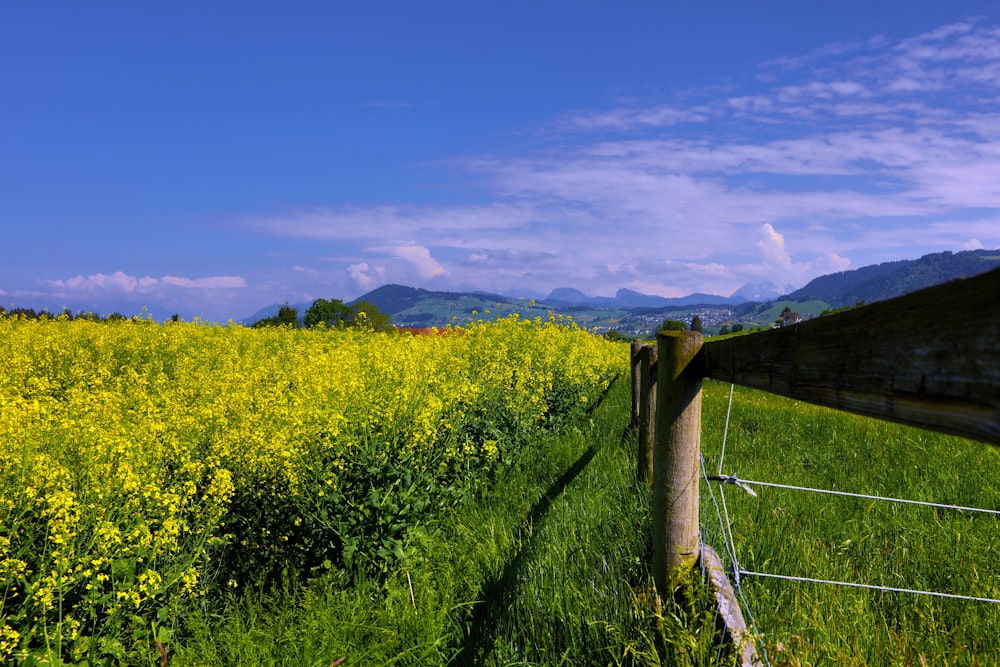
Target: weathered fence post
636, 349
676, 457
647, 412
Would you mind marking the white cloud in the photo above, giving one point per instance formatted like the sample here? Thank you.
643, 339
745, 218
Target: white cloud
972, 244
206, 297
819, 90
772, 247
120, 282
822, 53
420, 257
831, 263
478, 257
215, 282
117, 282
366, 277
624, 118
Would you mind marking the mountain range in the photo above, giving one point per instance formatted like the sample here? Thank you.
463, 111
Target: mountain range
393, 299
414, 306
845, 288
889, 279
627, 299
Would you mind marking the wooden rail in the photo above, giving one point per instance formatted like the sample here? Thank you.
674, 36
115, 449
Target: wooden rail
929, 359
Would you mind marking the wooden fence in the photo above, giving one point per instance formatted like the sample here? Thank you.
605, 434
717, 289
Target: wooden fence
929, 359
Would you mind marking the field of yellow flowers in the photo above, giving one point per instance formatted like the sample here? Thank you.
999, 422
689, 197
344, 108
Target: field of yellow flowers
145, 467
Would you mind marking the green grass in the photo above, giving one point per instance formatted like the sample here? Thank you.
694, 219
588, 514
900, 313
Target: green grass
765, 316
549, 568
857, 540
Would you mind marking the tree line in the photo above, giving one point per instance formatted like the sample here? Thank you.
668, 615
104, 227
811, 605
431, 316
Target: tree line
65, 314
322, 312
330, 313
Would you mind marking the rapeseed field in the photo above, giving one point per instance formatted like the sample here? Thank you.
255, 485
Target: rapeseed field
146, 467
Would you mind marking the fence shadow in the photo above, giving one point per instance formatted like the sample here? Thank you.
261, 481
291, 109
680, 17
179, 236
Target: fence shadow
600, 399
492, 606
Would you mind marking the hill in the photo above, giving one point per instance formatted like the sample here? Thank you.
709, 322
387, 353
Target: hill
884, 281
393, 299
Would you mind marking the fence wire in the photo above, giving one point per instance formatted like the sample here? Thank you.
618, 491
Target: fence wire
720, 529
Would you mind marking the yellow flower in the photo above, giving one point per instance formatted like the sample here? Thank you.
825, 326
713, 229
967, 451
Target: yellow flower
133, 440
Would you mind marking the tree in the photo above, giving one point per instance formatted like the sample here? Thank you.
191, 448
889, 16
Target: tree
335, 313
331, 313
287, 316
696, 323
724, 330
672, 325
366, 313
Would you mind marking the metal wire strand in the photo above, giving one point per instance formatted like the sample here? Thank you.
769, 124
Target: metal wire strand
729, 542
874, 587
732, 479
725, 431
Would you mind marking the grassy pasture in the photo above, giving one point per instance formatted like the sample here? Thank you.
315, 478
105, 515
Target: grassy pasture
766, 315
801, 534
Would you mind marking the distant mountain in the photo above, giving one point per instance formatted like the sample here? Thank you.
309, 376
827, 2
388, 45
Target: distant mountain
760, 292
884, 281
524, 295
700, 299
271, 311
393, 298
568, 296
626, 299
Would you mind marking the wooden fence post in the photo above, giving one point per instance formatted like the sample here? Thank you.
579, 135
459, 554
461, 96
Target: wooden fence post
636, 348
676, 455
647, 412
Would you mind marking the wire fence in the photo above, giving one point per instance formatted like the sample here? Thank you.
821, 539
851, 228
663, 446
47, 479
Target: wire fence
717, 531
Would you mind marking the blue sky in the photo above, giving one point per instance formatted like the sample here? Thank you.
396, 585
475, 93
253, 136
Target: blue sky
211, 158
